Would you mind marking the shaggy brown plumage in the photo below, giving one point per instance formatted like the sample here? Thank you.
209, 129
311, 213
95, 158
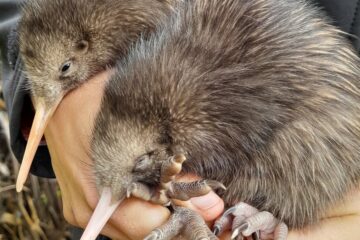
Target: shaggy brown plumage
261, 95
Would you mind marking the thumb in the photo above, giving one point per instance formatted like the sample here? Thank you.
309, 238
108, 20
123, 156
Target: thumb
209, 206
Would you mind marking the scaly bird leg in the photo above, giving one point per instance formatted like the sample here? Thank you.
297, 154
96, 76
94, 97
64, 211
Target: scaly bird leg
248, 220
169, 189
183, 190
185, 222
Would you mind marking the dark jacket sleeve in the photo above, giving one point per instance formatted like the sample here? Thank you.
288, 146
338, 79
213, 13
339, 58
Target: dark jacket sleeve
344, 13
16, 96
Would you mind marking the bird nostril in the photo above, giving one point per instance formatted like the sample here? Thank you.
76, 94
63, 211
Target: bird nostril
142, 163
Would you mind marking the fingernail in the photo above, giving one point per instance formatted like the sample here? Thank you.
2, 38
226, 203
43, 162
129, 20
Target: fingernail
205, 202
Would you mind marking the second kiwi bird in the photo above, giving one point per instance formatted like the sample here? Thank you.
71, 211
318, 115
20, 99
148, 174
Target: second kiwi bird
261, 95
65, 42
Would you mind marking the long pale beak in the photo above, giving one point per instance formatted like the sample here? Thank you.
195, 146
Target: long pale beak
103, 211
42, 116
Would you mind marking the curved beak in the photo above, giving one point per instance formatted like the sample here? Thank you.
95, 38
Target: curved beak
42, 116
103, 211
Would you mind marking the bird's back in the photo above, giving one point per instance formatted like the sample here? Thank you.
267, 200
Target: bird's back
263, 96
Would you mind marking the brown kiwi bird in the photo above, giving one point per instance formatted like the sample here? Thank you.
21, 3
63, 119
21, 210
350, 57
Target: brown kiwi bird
65, 42
261, 95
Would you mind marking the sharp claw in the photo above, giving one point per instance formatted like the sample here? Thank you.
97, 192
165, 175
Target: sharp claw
216, 230
130, 190
215, 184
229, 211
128, 193
238, 230
156, 234
168, 204
234, 234
180, 158
150, 237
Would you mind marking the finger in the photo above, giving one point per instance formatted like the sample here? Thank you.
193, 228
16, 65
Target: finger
102, 213
137, 218
209, 206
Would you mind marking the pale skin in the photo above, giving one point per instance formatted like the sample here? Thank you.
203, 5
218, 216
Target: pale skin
68, 135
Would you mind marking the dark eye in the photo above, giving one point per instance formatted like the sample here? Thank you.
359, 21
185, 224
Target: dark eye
65, 67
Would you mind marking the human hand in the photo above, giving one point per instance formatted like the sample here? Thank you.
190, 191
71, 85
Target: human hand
67, 135
342, 222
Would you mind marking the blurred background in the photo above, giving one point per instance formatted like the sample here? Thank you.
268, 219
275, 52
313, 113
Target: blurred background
36, 213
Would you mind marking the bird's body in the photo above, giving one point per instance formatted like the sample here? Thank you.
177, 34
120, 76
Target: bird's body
65, 42
261, 95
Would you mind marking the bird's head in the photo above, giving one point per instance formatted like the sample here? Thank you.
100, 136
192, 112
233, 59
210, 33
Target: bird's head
126, 149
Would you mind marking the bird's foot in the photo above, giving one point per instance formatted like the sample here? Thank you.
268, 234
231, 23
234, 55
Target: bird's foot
184, 222
245, 220
169, 189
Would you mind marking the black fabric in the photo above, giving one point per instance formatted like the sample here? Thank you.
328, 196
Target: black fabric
355, 27
342, 12
15, 93
345, 14
18, 103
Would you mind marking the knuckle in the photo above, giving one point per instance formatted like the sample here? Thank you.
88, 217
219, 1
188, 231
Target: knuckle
91, 202
76, 216
81, 219
69, 216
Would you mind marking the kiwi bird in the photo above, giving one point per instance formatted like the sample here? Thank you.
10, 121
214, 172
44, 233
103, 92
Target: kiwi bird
261, 95
65, 42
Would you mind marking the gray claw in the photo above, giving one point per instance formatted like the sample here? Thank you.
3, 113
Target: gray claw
216, 230
130, 189
221, 224
229, 211
239, 230
215, 184
154, 235
168, 204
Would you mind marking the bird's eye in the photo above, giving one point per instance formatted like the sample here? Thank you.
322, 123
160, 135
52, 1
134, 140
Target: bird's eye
65, 67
